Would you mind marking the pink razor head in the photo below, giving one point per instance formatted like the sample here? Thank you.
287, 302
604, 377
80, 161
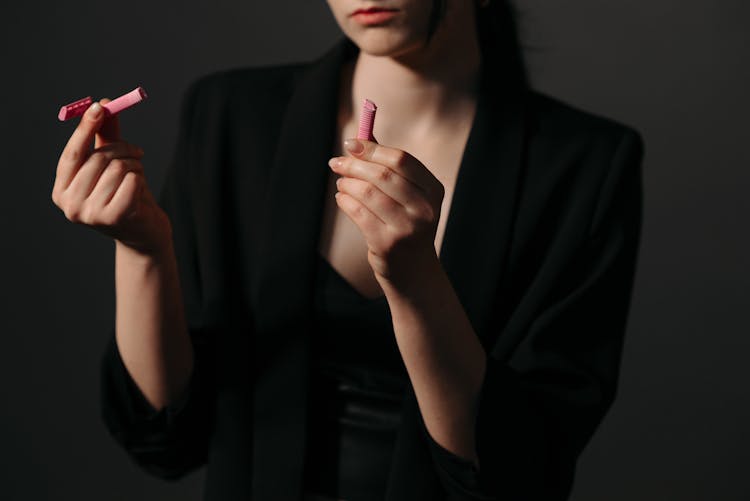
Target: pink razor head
77, 108
367, 120
74, 109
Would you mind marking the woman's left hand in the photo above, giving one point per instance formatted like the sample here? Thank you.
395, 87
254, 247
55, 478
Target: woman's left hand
395, 201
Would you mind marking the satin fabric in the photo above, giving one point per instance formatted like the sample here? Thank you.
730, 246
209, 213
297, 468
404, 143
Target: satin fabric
357, 382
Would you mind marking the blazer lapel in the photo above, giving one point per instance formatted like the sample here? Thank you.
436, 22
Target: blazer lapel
480, 221
282, 293
473, 254
295, 195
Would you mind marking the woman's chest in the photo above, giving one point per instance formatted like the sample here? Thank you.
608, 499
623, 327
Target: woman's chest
341, 242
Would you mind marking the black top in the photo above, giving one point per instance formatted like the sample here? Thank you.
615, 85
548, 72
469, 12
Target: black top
357, 383
356, 386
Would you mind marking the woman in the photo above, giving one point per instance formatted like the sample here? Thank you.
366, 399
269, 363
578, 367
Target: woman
445, 322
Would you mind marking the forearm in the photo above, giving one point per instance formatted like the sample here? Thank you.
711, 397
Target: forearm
443, 356
150, 327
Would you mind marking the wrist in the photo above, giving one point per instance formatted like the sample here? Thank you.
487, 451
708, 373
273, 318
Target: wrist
424, 273
156, 254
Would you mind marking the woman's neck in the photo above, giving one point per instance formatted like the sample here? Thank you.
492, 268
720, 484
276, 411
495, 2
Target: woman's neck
423, 86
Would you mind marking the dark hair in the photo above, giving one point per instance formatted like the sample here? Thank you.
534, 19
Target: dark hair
498, 38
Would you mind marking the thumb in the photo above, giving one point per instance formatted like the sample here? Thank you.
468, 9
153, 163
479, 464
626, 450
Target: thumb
109, 132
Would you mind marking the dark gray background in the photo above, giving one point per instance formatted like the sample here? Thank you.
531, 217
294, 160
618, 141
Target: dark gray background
677, 70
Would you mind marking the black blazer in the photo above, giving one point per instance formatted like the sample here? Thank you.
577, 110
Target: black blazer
540, 246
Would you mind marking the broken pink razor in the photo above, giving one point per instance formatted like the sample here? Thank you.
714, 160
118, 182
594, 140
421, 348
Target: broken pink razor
367, 120
77, 108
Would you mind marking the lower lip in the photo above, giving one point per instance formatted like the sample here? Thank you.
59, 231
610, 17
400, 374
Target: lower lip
376, 17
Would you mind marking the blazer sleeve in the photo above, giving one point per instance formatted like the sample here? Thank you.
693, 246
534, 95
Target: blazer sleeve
171, 441
539, 408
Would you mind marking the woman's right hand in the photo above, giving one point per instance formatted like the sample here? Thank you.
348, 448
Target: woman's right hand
106, 188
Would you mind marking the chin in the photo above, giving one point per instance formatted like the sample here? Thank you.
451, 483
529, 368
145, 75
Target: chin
381, 43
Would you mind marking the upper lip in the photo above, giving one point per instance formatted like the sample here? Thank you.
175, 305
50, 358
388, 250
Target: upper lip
372, 9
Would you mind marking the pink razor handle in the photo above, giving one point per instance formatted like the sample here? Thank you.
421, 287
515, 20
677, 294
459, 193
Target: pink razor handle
77, 108
367, 120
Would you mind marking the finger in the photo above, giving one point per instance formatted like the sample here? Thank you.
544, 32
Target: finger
387, 180
110, 129
369, 224
120, 149
397, 160
77, 148
125, 198
100, 159
381, 205
111, 179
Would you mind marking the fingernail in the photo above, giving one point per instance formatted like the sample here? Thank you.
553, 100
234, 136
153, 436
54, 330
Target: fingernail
338, 183
95, 110
354, 146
